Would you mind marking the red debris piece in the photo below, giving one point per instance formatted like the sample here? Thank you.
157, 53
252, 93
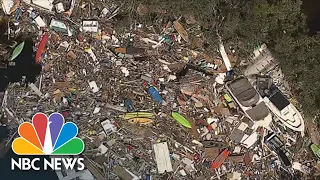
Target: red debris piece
220, 159
41, 46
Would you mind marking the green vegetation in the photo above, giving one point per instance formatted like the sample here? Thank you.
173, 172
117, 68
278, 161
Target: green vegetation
245, 24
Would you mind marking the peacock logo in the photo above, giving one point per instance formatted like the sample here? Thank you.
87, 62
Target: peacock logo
48, 136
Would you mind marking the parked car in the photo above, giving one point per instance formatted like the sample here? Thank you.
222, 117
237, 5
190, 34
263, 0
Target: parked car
249, 101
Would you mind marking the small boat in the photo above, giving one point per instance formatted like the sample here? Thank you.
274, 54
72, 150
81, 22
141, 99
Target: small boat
285, 111
137, 115
220, 159
275, 144
316, 150
279, 105
181, 120
41, 47
140, 120
250, 101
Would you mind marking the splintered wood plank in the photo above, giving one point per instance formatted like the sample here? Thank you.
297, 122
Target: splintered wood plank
183, 33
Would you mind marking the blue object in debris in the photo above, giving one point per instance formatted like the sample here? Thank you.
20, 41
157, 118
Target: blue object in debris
229, 73
148, 177
17, 14
155, 94
129, 105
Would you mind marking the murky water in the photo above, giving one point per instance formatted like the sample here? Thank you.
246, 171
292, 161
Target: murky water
24, 66
312, 9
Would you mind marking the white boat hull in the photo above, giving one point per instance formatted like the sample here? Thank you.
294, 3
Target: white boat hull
265, 122
289, 116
